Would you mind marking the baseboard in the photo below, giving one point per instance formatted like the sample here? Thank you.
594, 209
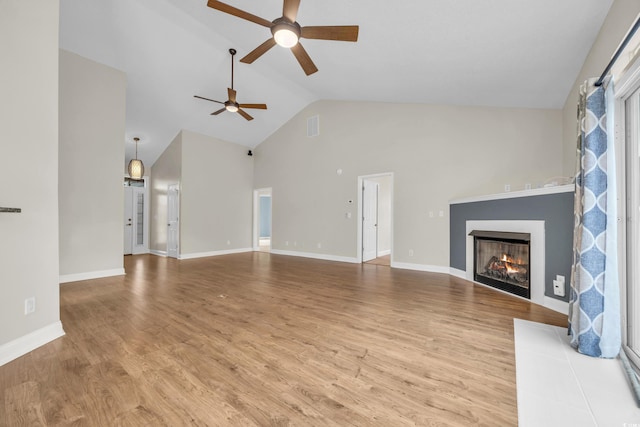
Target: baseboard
420, 267
458, 273
65, 278
214, 253
158, 253
23, 345
384, 253
556, 305
325, 257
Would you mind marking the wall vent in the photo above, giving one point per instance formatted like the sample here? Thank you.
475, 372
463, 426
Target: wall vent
313, 126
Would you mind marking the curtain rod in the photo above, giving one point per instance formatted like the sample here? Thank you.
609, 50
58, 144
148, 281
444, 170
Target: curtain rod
624, 43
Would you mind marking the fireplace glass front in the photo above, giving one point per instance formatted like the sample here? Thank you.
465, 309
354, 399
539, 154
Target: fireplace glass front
501, 260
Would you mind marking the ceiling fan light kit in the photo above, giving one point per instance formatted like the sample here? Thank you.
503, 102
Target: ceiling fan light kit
287, 33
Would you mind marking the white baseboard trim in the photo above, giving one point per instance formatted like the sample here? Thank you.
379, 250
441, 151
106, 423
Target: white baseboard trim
325, 257
158, 253
214, 253
23, 345
420, 267
65, 278
384, 253
461, 274
556, 305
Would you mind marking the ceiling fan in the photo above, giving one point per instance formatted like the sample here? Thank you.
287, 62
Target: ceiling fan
286, 32
231, 104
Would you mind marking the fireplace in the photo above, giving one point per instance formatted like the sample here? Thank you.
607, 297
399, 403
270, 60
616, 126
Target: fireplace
501, 260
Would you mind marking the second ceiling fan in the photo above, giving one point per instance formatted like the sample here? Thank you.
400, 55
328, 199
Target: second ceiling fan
231, 104
286, 32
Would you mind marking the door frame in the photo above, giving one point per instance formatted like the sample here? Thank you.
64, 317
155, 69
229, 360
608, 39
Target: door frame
177, 187
256, 215
359, 217
144, 248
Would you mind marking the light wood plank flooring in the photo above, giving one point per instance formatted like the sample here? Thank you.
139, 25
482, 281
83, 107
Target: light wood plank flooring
268, 340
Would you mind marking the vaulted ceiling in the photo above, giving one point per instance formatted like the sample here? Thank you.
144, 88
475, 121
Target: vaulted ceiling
460, 52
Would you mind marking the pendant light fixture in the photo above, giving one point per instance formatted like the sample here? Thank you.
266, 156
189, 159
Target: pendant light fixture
136, 168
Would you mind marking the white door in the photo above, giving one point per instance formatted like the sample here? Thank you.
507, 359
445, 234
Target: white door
136, 215
173, 224
128, 220
369, 220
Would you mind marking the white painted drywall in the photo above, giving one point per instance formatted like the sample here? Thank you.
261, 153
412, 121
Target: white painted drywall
91, 154
436, 153
167, 170
29, 166
621, 16
217, 195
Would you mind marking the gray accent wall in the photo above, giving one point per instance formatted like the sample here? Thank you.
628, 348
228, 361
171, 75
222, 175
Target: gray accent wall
555, 209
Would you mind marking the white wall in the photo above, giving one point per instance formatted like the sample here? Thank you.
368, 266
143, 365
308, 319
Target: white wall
167, 170
436, 153
217, 195
91, 154
29, 174
621, 16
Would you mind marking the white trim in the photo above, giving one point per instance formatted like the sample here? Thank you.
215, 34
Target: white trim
461, 274
514, 194
556, 305
23, 345
66, 278
158, 253
359, 211
384, 253
214, 253
326, 257
420, 267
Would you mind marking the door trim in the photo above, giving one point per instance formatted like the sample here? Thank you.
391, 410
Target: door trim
359, 215
256, 215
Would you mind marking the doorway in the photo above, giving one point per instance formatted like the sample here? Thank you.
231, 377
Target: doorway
375, 203
262, 208
173, 221
136, 217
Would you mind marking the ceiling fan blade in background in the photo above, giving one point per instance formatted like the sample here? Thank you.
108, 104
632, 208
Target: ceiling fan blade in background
303, 58
345, 33
215, 113
232, 94
259, 51
244, 114
207, 99
258, 106
290, 9
222, 7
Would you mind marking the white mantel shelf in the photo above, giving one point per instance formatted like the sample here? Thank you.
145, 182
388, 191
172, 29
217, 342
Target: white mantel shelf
514, 194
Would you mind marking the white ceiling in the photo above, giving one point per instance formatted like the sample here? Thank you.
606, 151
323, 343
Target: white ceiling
506, 53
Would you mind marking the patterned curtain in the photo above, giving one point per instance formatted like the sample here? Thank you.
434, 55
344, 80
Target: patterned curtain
594, 308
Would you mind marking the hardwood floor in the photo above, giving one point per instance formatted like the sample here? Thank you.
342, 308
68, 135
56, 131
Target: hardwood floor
262, 339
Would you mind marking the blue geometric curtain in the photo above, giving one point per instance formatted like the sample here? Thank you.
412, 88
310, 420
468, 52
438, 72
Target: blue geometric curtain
594, 308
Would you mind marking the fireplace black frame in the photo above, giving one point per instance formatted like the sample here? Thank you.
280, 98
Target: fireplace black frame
508, 237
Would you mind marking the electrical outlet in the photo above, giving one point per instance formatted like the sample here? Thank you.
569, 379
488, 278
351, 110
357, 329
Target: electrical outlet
507, 187
286, 243
430, 214
29, 305
228, 242
410, 252
441, 214
319, 245
527, 186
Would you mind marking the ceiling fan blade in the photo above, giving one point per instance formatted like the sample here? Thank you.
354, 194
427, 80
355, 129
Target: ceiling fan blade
290, 9
244, 114
258, 106
207, 99
232, 94
259, 51
222, 7
215, 113
345, 33
303, 58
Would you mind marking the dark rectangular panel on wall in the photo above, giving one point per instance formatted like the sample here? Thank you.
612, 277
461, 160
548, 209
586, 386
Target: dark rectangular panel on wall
555, 209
